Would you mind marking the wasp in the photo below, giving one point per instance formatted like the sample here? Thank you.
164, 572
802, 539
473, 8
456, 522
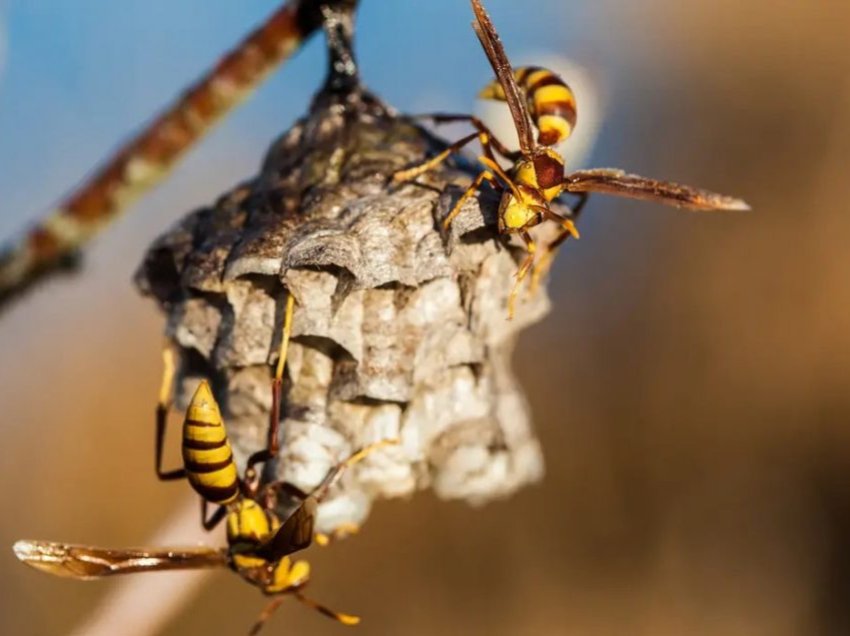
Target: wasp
539, 98
259, 543
207, 457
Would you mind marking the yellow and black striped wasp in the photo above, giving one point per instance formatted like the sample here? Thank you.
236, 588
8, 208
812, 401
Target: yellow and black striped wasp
259, 545
538, 96
207, 457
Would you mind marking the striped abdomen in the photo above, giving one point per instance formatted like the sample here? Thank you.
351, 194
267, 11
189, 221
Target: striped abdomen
551, 102
206, 450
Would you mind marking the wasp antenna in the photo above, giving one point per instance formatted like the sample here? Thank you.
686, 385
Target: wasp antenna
333, 474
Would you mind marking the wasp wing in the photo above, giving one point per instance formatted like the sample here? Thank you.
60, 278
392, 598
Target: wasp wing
88, 562
486, 33
619, 183
295, 534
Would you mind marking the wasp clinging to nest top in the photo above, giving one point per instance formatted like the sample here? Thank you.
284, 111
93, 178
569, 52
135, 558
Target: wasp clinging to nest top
538, 96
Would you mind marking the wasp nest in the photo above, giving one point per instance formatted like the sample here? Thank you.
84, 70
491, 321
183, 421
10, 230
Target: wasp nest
400, 329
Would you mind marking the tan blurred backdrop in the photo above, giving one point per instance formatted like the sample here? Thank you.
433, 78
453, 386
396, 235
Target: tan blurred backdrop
690, 386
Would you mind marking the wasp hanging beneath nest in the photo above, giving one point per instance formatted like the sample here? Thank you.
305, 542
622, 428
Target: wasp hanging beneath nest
259, 543
536, 95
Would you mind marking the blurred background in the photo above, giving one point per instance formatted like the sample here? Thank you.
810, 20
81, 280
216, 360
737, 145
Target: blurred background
690, 386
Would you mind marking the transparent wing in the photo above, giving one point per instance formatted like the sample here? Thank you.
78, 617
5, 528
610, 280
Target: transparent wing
88, 562
619, 183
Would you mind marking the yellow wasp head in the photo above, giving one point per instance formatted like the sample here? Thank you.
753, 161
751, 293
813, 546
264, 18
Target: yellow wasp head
521, 208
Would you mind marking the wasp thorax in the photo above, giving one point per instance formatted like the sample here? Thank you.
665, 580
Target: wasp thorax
549, 171
545, 172
249, 522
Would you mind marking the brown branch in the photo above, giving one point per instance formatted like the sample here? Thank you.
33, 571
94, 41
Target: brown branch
53, 244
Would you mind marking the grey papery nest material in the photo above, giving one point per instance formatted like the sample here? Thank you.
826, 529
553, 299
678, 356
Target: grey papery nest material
400, 329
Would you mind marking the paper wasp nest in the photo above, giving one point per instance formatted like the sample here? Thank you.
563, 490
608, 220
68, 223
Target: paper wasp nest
400, 330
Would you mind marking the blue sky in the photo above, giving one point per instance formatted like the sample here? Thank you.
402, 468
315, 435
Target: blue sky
82, 74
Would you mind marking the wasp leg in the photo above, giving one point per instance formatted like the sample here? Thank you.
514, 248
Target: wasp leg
531, 246
215, 519
162, 408
476, 184
291, 489
568, 229
321, 491
296, 533
273, 441
322, 539
294, 492
345, 619
411, 173
480, 126
342, 531
579, 206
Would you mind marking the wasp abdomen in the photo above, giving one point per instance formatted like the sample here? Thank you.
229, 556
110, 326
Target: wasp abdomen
551, 102
206, 450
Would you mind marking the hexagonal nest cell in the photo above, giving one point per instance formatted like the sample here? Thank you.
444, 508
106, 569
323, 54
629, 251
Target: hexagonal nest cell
400, 329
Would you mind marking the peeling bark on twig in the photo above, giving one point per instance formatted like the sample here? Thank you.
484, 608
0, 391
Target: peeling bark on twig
54, 244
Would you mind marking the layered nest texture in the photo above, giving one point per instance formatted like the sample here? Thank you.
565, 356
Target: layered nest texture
400, 328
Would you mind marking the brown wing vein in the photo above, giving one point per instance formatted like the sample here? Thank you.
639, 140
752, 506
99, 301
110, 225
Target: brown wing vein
619, 183
87, 562
295, 534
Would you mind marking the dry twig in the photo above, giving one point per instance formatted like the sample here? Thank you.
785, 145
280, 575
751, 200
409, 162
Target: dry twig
54, 243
